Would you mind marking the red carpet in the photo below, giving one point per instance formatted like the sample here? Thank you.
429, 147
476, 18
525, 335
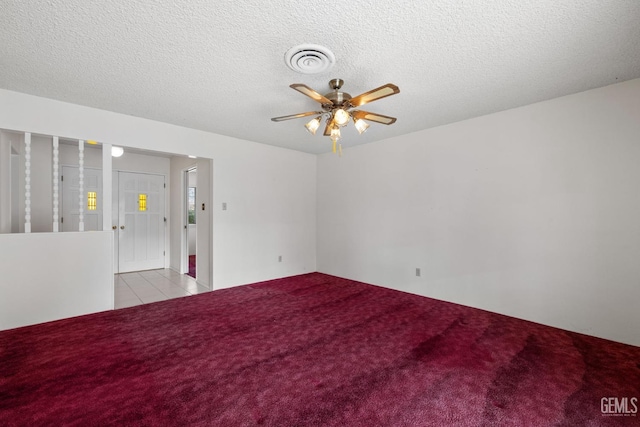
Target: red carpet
311, 350
192, 266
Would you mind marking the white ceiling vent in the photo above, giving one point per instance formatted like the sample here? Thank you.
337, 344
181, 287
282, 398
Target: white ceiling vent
309, 59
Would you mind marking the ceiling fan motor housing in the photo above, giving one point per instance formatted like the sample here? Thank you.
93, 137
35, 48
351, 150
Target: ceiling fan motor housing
338, 98
336, 84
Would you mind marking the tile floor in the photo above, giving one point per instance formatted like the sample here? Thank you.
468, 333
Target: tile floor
143, 287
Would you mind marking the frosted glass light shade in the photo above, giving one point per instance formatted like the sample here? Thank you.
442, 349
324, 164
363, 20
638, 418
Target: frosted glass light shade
335, 133
341, 117
361, 126
313, 125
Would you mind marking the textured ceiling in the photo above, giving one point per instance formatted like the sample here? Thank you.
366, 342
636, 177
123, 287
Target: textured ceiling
219, 66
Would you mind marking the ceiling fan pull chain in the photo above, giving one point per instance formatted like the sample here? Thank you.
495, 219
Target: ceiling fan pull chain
334, 145
340, 150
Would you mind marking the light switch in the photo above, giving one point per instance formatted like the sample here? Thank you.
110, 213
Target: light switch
224, 206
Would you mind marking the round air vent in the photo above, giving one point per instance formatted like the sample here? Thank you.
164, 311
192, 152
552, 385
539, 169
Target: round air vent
309, 59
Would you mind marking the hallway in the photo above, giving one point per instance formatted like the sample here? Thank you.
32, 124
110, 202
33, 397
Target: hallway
143, 287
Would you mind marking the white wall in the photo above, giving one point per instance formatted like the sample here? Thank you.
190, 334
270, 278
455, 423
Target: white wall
532, 212
270, 191
204, 209
50, 276
128, 162
279, 212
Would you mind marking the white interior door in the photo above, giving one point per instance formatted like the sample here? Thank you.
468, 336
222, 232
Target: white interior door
70, 218
141, 225
114, 221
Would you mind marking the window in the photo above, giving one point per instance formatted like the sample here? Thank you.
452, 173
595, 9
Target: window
142, 202
191, 199
92, 199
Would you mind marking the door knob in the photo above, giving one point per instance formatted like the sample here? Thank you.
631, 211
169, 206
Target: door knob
122, 227
115, 227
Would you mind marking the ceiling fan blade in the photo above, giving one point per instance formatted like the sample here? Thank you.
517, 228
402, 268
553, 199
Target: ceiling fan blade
296, 116
375, 94
373, 117
306, 90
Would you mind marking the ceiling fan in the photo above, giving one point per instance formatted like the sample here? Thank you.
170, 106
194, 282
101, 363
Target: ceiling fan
338, 109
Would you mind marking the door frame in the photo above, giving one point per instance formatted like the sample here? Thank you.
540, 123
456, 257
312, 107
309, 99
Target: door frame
118, 218
184, 220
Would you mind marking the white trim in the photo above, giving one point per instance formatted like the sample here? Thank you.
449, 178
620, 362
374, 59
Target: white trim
81, 185
184, 218
56, 185
27, 182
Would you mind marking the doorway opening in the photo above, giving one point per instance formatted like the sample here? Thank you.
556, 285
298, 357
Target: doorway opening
190, 225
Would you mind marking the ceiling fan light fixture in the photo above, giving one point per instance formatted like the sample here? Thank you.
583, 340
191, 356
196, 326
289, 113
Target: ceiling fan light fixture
361, 125
335, 133
338, 109
313, 125
117, 151
341, 117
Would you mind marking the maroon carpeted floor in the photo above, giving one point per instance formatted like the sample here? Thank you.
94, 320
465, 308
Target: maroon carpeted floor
312, 350
192, 266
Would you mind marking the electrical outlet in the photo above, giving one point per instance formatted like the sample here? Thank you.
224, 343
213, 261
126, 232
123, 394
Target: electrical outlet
417, 272
279, 258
